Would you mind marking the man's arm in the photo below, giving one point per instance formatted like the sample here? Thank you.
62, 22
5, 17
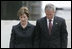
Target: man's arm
36, 36
64, 35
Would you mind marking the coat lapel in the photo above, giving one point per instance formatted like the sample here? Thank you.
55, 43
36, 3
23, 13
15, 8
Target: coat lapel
45, 27
55, 23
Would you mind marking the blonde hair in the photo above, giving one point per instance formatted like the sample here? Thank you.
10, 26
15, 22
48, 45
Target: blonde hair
23, 10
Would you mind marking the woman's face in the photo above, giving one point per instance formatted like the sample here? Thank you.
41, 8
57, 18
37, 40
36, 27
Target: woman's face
23, 19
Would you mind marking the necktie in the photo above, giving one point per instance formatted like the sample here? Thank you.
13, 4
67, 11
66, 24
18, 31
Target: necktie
50, 27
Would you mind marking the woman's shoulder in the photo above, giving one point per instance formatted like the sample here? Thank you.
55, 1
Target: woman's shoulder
16, 26
29, 24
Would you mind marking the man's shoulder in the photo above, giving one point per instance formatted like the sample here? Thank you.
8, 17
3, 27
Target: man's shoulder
59, 18
41, 19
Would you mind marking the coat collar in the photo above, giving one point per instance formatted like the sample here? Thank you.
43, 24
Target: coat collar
28, 25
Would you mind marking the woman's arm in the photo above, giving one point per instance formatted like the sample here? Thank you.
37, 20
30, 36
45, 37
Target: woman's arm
12, 39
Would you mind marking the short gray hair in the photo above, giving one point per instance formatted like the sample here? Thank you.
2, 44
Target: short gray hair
50, 7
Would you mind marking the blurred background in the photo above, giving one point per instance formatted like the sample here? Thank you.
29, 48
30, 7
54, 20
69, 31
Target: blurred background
9, 16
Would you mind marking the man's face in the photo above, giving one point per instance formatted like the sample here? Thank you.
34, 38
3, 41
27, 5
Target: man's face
49, 13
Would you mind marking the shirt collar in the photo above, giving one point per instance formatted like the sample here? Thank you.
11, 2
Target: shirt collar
51, 19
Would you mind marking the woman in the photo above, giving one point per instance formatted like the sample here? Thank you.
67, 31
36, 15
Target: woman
21, 36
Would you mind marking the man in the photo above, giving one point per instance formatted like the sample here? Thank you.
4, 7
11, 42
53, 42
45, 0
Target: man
50, 31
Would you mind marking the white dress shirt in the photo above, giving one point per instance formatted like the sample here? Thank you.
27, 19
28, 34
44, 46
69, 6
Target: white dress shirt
51, 21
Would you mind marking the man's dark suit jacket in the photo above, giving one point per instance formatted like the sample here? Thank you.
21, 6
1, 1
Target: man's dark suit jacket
58, 37
21, 38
